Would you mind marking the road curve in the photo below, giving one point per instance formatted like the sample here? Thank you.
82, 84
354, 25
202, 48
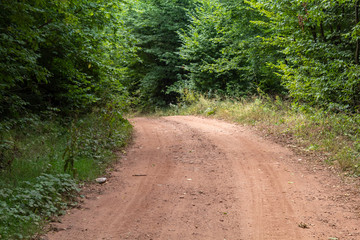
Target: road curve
187, 177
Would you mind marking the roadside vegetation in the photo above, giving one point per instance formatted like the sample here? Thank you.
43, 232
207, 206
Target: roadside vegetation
335, 136
43, 163
61, 105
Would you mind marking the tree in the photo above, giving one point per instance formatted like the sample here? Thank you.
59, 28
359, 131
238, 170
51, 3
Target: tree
320, 44
155, 24
222, 51
65, 55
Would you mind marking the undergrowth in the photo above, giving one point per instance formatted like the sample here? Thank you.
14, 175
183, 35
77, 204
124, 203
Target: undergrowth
335, 135
24, 208
41, 163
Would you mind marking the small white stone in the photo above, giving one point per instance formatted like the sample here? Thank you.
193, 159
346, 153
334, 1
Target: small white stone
101, 180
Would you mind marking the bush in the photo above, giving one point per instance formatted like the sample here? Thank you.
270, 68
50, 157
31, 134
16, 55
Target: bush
24, 208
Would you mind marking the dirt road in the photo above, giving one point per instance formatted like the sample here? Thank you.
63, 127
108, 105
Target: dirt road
187, 177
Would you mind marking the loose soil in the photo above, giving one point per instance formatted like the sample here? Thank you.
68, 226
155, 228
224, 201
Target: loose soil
187, 177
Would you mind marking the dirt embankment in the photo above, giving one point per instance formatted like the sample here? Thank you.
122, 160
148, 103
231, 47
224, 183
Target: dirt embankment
192, 178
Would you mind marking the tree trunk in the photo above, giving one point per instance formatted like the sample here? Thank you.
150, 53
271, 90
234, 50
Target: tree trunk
357, 51
313, 32
322, 32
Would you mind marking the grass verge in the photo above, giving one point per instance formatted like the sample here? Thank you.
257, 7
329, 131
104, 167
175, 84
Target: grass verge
34, 186
335, 135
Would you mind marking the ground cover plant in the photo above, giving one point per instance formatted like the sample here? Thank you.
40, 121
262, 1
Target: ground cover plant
45, 161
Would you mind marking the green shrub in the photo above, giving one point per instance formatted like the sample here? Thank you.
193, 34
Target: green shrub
24, 208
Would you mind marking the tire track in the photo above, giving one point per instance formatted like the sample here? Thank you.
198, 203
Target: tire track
208, 179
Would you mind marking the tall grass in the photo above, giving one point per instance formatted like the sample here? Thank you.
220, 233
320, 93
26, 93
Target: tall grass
335, 135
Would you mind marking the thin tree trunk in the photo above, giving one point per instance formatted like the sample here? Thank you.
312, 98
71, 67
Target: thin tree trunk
322, 32
357, 51
313, 31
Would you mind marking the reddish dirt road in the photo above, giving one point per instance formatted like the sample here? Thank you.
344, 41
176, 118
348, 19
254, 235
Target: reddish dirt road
187, 177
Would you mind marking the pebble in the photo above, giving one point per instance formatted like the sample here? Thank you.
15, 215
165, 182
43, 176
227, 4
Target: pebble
101, 180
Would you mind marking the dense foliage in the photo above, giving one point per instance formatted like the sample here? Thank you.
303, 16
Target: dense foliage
223, 51
59, 58
60, 55
309, 48
308, 51
320, 44
71, 55
154, 25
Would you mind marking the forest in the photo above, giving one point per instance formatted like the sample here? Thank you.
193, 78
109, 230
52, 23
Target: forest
71, 69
